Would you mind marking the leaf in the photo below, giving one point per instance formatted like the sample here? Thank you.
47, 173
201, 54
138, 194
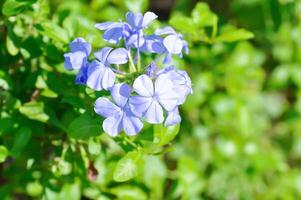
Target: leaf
84, 127
3, 153
202, 15
53, 31
129, 192
163, 135
94, 147
234, 35
184, 24
14, 7
11, 47
21, 139
127, 167
34, 110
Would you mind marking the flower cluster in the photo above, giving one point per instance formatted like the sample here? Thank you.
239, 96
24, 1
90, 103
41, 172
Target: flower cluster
155, 93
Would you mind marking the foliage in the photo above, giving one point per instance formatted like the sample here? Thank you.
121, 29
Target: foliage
240, 132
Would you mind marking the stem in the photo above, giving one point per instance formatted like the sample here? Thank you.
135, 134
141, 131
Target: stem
138, 53
132, 65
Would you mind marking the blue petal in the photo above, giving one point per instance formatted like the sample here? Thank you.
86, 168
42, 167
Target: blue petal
79, 44
148, 18
104, 26
167, 58
165, 93
135, 20
165, 31
102, 54
81, 77
153, 44
75, 60
120, 93
113, 125
173, 117
154, 114
113, 34
139, 104
105, 107
131, 124
100, 77
143, 85
151, 70
118, 56
173, 44
133, 40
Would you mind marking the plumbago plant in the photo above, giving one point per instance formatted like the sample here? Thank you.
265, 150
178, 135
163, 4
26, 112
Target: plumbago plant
141, 91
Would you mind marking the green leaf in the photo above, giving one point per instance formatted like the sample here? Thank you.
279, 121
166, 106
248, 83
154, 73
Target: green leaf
202, 15
234, 35
94, 147
163, 135
127, 167
84, 126
53, 31
34, 110
14, 7
129, 192
21, 139
11, 47
184, 24
3, 153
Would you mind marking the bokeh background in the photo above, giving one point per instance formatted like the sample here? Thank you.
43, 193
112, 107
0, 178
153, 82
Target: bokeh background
240, 137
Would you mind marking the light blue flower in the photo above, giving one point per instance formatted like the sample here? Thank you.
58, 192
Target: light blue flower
114, 31
118, 115
180, 80
80, 50
99, 74
173, 117
137, 23
152, 96
173, 42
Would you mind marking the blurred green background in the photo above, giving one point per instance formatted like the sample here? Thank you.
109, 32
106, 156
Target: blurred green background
240, 137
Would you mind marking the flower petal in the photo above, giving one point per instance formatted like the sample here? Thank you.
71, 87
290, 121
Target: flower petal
173, 44
75, 60
80, 44
104, 25
105, 107
139, 104
131, 124
173, 117
154, 114
113, 35
81, 77
164, 90
135, 20
120, 93
102, 54
118, 56
165, 31
99, 76
148, 18
108, 78
112, 125
143, 85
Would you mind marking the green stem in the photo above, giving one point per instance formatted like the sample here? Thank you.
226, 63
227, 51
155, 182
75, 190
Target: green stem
132, 65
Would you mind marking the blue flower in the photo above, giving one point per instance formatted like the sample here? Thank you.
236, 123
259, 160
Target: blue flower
118, 116
173, 117
114, 31
80, 50
152, 97
180, 80
99, 74
173, 42
137, 23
